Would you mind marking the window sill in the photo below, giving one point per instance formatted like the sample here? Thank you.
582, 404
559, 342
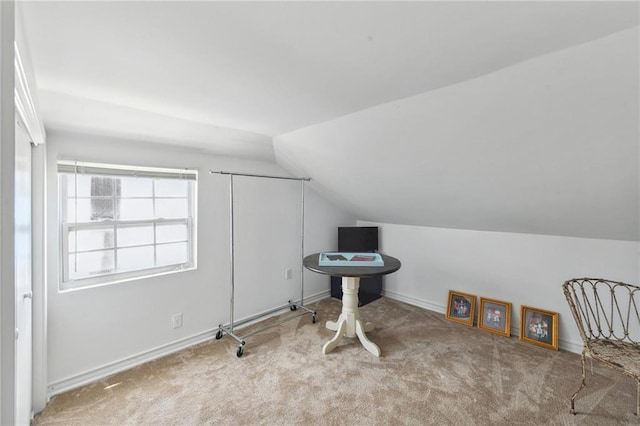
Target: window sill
73, 286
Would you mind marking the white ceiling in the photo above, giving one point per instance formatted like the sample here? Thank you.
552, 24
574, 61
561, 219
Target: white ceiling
498, 116
229, 76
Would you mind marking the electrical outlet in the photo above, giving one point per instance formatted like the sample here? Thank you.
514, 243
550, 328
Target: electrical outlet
287, 274
177, 320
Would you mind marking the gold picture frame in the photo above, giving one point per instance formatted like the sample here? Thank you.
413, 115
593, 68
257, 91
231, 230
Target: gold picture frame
539, 327
494, 316
461, 307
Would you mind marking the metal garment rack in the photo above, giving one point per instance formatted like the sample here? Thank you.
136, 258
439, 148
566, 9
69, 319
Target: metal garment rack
293, 306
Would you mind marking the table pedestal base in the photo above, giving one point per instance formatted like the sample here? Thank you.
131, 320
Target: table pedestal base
349, 323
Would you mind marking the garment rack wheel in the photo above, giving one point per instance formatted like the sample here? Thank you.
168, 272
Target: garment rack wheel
240, 350
219, 335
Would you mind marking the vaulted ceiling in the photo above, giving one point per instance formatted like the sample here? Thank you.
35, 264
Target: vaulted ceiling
511, 116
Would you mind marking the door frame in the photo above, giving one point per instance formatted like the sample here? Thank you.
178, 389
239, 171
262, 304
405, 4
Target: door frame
27, 108
23, 238
16, 98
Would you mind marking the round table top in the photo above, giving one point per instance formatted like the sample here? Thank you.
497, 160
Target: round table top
391, 264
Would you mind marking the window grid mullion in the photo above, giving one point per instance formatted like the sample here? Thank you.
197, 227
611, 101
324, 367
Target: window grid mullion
116, 218
133, 246
125, 223
75, 218
155, 224
190, 215
115, 245
65, 252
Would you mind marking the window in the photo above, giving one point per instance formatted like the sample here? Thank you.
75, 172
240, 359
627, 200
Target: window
120, 223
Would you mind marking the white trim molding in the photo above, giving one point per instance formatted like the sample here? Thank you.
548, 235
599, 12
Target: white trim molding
435, 307
106, 370
127, 363
26, 102
26, 114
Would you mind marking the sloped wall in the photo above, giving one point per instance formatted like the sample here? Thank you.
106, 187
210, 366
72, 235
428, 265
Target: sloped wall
548, 146
503, 186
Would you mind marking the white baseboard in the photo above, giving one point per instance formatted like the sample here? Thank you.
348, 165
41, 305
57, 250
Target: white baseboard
435, 307
96, 374
106, 370
575, 347
260, 316
127, 363
317, 297
565, 345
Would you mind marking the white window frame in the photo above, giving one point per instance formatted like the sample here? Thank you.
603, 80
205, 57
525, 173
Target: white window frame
66, 227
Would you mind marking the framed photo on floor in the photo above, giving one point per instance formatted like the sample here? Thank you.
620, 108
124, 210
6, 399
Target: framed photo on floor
461, 307
539, 327
495, 316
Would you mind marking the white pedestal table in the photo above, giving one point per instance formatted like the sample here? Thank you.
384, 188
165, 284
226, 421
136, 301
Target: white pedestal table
349, 323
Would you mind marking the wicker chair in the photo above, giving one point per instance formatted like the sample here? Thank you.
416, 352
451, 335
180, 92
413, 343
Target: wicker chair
608, 318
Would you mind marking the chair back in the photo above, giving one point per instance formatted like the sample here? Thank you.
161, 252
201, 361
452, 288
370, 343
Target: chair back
604, 310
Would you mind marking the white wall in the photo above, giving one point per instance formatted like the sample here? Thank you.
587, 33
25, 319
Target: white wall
546, 146
523, 269
93, 332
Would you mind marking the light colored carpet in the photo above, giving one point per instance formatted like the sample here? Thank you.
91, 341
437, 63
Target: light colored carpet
432, 371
